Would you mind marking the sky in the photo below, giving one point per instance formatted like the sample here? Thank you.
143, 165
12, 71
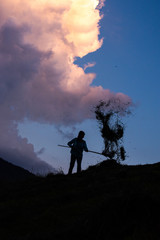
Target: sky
58, 59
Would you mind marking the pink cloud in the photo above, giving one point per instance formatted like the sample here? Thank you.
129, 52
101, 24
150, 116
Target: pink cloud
38, 77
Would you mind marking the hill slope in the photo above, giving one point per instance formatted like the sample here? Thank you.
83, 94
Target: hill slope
10, 172
108, 201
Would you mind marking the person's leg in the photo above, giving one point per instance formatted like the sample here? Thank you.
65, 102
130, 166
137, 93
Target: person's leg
72, 162
79, 160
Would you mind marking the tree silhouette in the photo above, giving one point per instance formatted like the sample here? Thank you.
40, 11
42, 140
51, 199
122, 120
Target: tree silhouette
109, 115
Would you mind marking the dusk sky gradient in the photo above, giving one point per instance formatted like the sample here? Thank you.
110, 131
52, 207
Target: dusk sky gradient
58, 59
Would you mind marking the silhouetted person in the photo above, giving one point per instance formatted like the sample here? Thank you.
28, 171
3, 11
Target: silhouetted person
77, 146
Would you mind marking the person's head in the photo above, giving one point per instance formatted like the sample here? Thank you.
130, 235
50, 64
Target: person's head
81, 135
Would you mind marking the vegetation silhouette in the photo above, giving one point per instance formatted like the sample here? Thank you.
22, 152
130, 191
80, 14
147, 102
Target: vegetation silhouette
109, 115
106, 201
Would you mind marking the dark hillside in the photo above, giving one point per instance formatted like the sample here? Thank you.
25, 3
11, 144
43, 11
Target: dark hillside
10, 172
106, 202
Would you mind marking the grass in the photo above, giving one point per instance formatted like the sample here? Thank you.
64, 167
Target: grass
108, 201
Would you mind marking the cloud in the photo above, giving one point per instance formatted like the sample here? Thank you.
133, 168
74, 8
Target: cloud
39, 42
18, 64
89, 65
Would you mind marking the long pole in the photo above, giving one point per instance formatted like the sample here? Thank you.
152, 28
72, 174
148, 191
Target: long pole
59, 145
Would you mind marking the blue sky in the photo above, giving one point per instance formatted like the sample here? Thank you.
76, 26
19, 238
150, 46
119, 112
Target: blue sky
127, 62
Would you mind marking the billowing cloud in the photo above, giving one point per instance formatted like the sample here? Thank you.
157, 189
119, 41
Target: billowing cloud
39, 42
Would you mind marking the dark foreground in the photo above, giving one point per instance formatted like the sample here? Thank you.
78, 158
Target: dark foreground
107, 201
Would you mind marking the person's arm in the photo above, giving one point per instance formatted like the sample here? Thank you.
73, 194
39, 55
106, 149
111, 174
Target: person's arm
85, 147
70, 144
